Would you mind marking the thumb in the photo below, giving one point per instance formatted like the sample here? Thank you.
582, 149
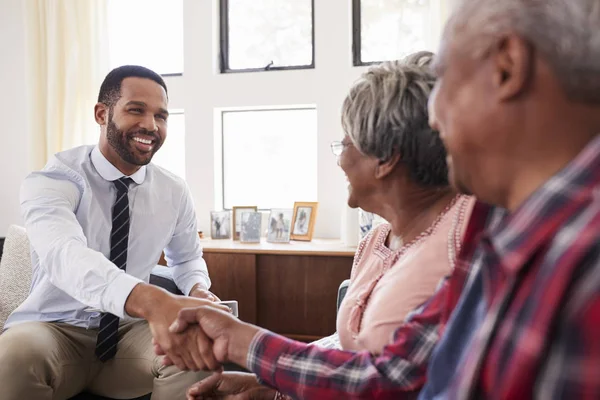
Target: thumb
185, 317
206, 386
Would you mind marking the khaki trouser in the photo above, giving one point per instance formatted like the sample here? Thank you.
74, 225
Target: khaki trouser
44, 361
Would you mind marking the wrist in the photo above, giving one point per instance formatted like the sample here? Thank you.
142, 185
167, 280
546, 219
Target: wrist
197, 286
237, 349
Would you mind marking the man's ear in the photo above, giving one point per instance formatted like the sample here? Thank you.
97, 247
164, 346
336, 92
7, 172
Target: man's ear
384, 168
513, 64
101, 114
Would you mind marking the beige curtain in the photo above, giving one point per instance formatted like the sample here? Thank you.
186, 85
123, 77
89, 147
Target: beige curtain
67, 59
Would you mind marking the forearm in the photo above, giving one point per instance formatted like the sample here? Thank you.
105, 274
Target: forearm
85, 274
145, 300
306, 371
239, 342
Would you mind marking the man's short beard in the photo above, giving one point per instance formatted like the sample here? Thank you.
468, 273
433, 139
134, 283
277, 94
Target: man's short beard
118, 141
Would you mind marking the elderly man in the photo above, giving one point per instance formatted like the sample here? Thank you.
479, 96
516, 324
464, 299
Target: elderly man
518, 106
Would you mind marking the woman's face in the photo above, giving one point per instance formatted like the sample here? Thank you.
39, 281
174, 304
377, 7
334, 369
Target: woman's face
359, 170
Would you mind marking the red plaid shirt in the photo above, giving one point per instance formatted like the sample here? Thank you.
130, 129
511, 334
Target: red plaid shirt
307, 371
540, 337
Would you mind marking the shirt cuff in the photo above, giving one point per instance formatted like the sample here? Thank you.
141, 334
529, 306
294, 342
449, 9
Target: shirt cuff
117, 292
190, 285
188, 274
263, 355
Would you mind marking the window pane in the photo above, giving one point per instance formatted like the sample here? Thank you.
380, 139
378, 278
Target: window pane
148, 33
392, 29
172, 153
269, 157
265, 31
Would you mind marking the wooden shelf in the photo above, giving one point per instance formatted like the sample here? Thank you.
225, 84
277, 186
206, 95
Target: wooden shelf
316, 247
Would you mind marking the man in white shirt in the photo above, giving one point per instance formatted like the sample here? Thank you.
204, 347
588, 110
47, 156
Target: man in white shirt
98, 218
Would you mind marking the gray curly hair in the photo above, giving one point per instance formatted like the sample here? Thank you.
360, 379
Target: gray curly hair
386, 113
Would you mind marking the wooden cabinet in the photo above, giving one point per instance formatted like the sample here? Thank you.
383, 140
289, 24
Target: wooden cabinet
290, 288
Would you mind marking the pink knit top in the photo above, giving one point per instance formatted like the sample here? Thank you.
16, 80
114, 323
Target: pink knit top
387, 285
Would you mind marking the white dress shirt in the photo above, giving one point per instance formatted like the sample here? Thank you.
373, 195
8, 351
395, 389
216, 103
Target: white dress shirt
67, 210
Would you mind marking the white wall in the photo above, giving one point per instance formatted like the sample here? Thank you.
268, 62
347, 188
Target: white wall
13, 130
199, 92
204, 89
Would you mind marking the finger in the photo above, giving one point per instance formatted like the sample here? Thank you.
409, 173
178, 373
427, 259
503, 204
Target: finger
193, 349
188, 351
206, 386
177, 361
167, 361
215, 297
157, 349
185, 317
205, 347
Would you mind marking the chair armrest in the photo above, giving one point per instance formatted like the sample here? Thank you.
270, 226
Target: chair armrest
342, 292
163, 277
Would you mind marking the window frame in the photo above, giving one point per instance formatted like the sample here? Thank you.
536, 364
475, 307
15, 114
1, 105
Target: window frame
224, 44
259, 109
357, 37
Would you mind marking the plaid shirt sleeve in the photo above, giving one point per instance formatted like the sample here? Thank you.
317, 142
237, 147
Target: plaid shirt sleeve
308, 372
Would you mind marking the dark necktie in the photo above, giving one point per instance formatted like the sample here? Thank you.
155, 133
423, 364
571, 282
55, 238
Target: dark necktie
108, 333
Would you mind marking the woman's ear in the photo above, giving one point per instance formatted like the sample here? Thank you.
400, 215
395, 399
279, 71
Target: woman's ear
384, 168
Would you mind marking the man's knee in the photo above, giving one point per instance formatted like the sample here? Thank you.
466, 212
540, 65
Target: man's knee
25, 346
25, 368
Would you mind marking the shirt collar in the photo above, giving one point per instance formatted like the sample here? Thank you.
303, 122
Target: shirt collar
109, 172
521, 233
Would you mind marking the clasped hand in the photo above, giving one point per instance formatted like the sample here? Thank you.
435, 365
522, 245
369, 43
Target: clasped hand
197, 338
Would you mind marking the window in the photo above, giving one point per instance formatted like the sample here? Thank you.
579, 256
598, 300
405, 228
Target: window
389, 29
269, 157
147, 33
171, 155
260, 35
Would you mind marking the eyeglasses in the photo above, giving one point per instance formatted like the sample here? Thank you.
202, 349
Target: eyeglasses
338, 147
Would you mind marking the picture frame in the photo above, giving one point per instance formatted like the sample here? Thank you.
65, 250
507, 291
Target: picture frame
303, 221
279, 225
237, 211
251, 227
368, 221
220, 225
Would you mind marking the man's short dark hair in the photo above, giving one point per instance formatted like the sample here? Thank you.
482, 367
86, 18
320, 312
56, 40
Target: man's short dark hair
110, 90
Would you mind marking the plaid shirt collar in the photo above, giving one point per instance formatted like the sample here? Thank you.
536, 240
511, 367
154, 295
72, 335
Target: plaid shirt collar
521, 233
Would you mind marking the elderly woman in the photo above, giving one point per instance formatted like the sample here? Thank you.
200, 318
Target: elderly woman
395, 166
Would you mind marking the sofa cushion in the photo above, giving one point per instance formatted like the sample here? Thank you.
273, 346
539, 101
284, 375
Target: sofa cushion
15, 271
163, 277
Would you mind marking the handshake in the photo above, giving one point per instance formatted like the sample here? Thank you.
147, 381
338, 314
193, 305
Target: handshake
195, 333
200, 338
216, 337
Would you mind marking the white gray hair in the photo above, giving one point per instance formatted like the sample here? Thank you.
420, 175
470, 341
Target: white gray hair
565, 32
385, 113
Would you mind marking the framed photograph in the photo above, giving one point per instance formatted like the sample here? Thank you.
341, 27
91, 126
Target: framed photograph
220, 225
237, 219
368, 221
303, 222
280, 222
251, 222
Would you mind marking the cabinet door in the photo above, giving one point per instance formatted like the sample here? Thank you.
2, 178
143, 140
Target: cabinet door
233, 277
297, 294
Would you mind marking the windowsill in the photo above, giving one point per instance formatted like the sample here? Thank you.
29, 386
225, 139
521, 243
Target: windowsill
316, 247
